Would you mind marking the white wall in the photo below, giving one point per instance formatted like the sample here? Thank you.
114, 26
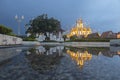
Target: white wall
115, 42
8, 40
52, 37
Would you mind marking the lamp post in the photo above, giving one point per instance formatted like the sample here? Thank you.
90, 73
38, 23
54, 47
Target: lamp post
19, 19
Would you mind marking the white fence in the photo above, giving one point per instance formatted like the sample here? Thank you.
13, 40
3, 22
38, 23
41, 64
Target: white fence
9, 40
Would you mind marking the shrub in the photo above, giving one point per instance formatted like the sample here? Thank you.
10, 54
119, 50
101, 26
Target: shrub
29, 39
5, 30
89, 40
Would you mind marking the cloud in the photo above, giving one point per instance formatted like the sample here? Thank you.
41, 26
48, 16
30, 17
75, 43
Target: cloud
102, 14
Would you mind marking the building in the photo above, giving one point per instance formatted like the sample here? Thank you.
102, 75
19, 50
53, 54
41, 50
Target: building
109, 34
94, 35
118, 35
52, 36
79, 30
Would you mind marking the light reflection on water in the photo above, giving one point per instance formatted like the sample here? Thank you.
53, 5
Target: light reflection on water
80, 57
62, 63
44, 58
46, 50
83, 63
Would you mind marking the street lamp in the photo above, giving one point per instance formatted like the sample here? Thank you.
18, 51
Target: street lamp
19, 19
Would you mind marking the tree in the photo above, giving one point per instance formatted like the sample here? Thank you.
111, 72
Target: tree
43, 24
73, 37
64, 37
5, 30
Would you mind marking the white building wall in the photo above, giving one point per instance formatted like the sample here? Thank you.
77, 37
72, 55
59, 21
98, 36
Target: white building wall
41, 37
28, 34
52, 37
8, 40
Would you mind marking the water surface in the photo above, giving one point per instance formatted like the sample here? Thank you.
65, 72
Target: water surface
62, 63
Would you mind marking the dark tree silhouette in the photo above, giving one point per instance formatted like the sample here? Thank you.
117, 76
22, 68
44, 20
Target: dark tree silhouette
43, 24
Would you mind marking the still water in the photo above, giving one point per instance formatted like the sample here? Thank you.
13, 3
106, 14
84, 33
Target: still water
62, 63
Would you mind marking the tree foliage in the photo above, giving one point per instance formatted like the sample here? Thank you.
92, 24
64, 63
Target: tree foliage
73, 37
43, 24
64, 37
5, 30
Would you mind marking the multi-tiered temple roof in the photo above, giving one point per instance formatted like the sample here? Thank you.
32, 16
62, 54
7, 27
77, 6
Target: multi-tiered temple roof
79, 30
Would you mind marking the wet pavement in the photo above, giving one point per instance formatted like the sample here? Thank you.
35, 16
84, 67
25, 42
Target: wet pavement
62, 63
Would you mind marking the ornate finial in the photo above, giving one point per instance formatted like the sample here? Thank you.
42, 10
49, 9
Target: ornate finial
79, 20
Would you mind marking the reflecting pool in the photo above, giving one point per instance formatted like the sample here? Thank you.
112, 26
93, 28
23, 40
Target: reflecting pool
61, 63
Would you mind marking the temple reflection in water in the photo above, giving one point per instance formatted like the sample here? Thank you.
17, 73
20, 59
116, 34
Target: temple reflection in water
49, 56
80, 57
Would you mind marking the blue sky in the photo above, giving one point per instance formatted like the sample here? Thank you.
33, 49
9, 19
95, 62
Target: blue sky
100, 15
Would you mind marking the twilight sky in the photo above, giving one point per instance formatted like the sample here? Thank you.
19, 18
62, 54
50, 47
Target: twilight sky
100, 15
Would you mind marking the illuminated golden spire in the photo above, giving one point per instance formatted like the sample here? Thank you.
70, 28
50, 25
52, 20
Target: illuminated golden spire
79, 23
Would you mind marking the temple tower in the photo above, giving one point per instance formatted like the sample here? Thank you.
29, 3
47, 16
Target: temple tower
79, 23
80, 30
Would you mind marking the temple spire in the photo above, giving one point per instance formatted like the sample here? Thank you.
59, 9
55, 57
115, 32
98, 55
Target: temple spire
80, 30
79, 23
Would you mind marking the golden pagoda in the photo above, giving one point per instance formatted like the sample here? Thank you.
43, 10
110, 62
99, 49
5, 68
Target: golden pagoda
80, 30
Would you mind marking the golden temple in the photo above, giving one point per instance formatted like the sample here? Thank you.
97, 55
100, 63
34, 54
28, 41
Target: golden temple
79, 30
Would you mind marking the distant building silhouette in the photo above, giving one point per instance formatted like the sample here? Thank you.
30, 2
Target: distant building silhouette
94, 35
110, 34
